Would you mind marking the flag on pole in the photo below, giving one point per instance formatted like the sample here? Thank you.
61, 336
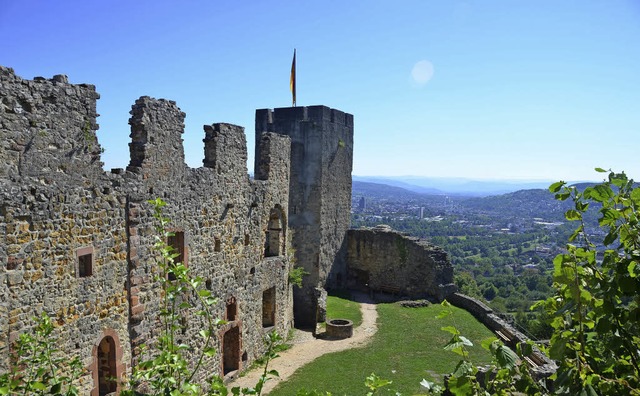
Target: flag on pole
292, 80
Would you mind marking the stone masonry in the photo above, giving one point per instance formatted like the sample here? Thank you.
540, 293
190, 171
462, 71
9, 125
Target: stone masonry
77, 242
380, 259
319, 199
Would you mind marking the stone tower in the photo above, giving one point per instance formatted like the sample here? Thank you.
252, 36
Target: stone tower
319, 198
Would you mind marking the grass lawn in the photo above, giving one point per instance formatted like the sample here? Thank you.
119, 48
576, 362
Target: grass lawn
407, 348
340, 307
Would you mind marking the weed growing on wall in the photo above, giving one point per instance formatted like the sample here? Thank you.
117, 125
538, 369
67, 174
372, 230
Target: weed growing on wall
40, 367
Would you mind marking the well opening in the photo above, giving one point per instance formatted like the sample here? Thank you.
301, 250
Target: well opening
339, 328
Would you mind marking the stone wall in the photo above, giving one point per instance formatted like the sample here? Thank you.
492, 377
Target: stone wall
541, 364
380, 259
59, 207
320, 197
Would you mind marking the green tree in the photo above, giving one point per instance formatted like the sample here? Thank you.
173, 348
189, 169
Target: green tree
596, 307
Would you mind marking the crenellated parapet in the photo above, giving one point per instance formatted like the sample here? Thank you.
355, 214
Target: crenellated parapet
48, 128
225, 149
156, 145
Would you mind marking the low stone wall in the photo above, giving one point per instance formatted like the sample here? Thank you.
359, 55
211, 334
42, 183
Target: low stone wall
506, 332
380, 259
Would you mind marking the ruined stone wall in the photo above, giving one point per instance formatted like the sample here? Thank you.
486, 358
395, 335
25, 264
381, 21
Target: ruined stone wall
380, 259
224, 218
320, 196
59, 205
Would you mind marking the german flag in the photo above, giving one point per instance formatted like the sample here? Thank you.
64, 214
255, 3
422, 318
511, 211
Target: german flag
292, 80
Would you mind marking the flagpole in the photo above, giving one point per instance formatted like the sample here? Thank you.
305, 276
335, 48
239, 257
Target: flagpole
292, 80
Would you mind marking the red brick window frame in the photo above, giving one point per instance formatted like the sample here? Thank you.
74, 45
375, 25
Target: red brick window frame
85, 259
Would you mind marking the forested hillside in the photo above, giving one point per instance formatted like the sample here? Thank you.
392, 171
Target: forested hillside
501, 247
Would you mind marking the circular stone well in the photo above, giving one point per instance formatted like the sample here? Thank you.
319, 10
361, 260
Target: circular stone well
339, 328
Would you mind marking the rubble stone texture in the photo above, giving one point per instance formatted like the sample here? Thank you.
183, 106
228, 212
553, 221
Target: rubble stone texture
380, 259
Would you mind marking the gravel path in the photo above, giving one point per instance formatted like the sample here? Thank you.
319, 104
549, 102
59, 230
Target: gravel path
306, 348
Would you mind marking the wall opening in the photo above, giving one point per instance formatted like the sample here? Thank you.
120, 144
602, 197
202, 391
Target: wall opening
176, 241
275, 238
107, 375
269, 307
106, 364
85, 261
232, 309
231, 350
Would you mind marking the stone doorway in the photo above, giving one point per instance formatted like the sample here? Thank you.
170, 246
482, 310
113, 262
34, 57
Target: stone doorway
106, 366
231, 350
107, 374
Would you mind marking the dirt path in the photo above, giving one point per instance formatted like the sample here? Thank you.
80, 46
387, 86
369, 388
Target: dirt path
306, 349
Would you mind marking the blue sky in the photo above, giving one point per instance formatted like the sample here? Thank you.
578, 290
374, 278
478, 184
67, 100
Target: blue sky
478, 89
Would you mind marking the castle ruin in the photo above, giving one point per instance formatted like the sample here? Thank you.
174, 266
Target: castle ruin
77, 242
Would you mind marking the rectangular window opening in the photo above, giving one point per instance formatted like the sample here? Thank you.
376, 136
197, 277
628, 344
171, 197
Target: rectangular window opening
85, 261
176, 242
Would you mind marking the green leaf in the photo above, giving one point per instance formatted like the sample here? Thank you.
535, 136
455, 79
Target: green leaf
505, 357
610, 238
632, 269
572, 215
460, 386
600, 170
450, 329
442, 314
588, 391
486, 343
555, 187
37, 385
374, 382
635, 195
463, 368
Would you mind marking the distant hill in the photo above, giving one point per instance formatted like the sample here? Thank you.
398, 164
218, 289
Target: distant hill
523, 203
457, 186
397, 183
528, 203
383, 190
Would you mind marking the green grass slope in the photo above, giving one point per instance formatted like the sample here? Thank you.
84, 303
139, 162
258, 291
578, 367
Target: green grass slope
407, 347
